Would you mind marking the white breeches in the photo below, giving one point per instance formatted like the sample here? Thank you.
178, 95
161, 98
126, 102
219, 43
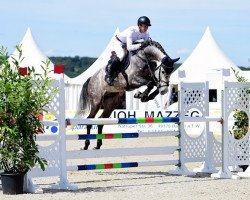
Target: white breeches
117, 47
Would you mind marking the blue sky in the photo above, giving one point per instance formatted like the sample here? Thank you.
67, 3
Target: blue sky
83, 28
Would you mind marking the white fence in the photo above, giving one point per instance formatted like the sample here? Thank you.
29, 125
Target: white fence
203, 148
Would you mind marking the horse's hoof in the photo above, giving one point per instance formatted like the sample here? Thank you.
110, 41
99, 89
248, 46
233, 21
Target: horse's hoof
243, 167
85, 148
144, 99
137, 95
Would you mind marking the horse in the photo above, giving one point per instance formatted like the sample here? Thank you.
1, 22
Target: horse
149, 66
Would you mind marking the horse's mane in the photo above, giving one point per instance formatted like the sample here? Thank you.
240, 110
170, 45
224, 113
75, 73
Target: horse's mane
153, 43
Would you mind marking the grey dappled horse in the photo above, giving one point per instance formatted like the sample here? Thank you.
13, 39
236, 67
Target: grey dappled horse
150, 66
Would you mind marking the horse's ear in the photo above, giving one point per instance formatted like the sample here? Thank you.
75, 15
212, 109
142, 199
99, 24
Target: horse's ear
175, 60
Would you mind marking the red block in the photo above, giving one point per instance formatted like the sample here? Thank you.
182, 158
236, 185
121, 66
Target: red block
58, 69
149, 120
108, 166
109, 136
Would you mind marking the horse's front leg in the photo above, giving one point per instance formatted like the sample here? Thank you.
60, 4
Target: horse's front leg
151, 96
145, 94
87, 142
99, 141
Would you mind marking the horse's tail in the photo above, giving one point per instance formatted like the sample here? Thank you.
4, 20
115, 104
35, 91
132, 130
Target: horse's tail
84, 103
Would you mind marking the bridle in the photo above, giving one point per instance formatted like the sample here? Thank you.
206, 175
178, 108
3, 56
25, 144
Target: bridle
152, 73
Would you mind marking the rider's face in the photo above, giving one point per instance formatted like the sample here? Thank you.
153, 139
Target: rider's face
143, 28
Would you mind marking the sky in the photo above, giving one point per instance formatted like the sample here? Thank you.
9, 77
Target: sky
84, 28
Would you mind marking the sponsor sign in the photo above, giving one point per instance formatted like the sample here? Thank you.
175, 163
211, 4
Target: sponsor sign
194, 128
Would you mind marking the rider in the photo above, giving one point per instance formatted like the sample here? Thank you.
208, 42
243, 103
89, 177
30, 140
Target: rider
128, 40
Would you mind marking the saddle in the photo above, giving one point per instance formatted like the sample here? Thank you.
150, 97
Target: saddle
115, 66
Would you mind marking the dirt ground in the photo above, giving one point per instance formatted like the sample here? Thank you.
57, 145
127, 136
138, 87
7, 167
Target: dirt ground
144, 183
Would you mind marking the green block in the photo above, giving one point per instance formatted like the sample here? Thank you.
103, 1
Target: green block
140, 120
158, 120
100, 166
117, 135
100, 136
117, 165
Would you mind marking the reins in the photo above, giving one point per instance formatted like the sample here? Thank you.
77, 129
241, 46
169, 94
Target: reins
152, 73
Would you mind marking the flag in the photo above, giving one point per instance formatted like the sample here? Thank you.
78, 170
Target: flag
226, 72
40, 116
23, 70
181, 74
58, 69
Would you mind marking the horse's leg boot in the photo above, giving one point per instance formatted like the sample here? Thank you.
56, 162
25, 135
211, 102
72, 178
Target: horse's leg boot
137, 95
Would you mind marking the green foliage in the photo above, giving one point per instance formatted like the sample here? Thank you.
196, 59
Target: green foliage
74, 66
238, 77
22, 97
240, 127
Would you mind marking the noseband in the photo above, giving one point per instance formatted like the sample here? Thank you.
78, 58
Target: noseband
157, 81
152, 73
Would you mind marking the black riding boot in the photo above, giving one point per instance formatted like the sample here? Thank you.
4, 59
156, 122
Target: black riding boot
109, 74
112, 69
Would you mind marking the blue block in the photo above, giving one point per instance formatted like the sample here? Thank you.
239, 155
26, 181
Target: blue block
87, 137
170, 119
130, 135
131, 164
127, 121
86, 167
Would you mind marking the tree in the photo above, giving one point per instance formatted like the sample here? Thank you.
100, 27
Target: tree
241, 125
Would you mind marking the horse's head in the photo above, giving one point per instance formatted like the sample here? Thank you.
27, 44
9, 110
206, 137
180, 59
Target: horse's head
164, 64
167, 65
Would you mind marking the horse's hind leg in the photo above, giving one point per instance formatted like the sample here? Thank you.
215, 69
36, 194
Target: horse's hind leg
87, 142
99, 141
110, 102
91, 115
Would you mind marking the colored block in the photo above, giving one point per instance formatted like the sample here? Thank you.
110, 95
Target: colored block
100, 166
109, 136
158, 120
117, 165
108, 166
140, 120
149, 120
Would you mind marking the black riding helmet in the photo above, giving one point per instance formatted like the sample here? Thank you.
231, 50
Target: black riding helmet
143, 20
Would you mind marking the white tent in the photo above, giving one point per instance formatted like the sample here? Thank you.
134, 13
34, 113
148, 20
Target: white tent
205, 62
98, 64
33, 56
73, 86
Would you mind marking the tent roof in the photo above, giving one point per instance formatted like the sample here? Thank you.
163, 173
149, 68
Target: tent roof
32, 55
98, 64
206, 58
